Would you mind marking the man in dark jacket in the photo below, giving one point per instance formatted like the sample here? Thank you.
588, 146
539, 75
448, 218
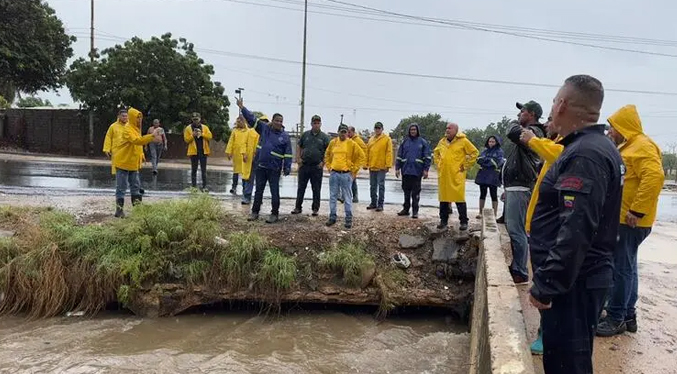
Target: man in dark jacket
273, 156
310, 159
574, 229
413, 162
519, 176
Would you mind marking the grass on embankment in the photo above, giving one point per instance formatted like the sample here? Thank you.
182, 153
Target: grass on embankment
53, 265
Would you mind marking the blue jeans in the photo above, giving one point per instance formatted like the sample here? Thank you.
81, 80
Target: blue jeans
341, 183
124, 179
248, 186
155, 153
516, 204
264, 176
623, 295
377, 180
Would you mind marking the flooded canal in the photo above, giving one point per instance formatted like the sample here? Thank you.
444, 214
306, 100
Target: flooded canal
321, 342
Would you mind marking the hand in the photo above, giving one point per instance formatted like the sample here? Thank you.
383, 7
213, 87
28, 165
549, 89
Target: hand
425, 174
526, 135
462, 168
631, 220
397, 173
244, 157
321, 166
165, 147
229, 156
239, 103
539, 305
365, 168
299, 162
158, 131
108, 154
503, 197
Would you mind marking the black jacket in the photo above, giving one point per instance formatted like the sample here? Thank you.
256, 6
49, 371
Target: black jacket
575, 224
522, 164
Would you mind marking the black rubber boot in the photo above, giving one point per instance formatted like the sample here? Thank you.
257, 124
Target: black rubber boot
119, 208
136, 199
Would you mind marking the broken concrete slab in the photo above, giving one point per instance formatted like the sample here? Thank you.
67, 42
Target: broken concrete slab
6, 234
410, 241
445, 250
433, 231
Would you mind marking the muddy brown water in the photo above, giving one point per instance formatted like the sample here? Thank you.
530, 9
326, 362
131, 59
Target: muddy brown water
297, 342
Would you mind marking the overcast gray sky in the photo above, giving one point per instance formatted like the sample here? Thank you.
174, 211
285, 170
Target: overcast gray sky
256, 27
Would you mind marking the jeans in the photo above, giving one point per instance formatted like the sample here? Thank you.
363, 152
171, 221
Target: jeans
340, 183
203, 170
623, 295
248, 186
312, 173
445, 210
155, 153
354, 188
516, 204
264, 176
377, 180
568, 329
124, 179
411, 185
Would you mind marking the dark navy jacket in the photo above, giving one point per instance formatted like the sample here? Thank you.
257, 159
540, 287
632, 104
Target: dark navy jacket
575, 224
274, 148
491, 161
413, 156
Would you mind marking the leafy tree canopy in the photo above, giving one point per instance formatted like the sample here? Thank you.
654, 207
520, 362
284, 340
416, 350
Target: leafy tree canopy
32, 102
163, 77
432, 127
34, 47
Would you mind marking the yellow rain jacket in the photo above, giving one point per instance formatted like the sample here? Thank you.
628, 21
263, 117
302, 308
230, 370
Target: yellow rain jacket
129, 152
379, 153
643, 161
237, 147
549, 151
252, 143
344, 156
449, 158
113, 137
190, 140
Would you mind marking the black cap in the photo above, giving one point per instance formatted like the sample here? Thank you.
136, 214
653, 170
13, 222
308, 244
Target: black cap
343, 127
532, 107
316, 118
378, 125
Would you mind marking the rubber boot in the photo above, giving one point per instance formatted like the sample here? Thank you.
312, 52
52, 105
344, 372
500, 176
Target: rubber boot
482, 201
119, 208
136, 200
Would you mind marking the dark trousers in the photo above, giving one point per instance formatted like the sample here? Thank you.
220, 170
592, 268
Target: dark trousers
236, 179
445, 210
411, 185
493, 190
202, 160
264, 176
623, 295
312, 173
569, 329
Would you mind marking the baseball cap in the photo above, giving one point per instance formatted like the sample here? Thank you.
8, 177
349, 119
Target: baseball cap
532, 107
378, 125
316, 118
343, 128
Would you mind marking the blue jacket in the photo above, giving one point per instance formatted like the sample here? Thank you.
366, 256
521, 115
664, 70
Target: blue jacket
491, 161
413, 156
274, 148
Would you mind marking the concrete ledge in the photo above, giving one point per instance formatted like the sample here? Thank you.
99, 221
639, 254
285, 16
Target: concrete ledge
498, 333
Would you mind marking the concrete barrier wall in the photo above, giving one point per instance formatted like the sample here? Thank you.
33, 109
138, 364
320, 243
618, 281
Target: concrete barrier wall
498, 334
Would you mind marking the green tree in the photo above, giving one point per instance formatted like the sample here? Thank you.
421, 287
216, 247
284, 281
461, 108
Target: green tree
432, 127
163, 77
670, 160
34, 47
4, 104
32, 102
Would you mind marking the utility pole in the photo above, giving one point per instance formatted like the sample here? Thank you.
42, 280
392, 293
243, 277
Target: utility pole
341, 123
91, 58
303, 75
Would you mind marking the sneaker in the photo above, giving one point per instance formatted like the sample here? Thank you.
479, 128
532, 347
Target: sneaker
341, 200
272, 218
355, 200
296, 211
154, 172
463, 226
414, 216
253, 217
537, 346
608, 327
442, 225
232, 191
245, 202
314, 213
348, 225
501, 220
330, 222
379, 209
479, 216
519, 280
370, 207
403, 212
631, 324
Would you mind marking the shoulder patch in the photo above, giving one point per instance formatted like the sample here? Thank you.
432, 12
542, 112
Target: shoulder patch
573, 183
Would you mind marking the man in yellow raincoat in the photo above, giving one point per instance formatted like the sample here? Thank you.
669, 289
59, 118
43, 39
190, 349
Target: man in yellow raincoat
114, 137
354, 136
379, 161
454, 156
197, 136
644, 178
128, 154
236, 150
249, 165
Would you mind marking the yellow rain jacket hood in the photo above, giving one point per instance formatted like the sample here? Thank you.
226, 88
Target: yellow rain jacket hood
113, 138
128, 155
643, 161
453, 160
